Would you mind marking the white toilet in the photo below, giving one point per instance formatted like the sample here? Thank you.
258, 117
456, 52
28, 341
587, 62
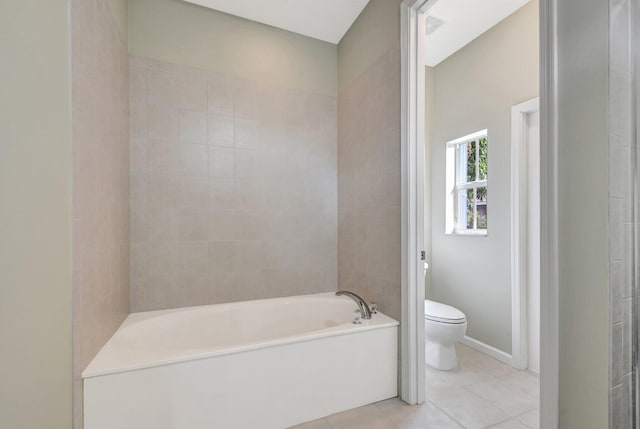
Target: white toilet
444, 326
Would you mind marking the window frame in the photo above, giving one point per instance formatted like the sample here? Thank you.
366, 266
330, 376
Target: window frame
455, 185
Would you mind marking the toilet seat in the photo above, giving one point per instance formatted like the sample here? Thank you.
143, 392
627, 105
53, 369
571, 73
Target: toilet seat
443, 313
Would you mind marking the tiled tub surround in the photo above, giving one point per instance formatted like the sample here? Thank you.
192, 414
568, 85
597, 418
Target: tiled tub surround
100, 224
233, 188
621, 231
369, 183
272, 363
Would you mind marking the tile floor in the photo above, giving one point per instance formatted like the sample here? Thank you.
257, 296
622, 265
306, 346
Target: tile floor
482, 393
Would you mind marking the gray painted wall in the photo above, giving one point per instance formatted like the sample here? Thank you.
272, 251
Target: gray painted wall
583, 57
475, 89
35, 208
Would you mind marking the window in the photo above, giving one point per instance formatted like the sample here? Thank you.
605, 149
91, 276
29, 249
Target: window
467, 185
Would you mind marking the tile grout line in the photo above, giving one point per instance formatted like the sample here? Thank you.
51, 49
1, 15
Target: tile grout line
501, 377
446, 414
493, 405
511, 419
500, 409
428, 402
493, 378
526, 412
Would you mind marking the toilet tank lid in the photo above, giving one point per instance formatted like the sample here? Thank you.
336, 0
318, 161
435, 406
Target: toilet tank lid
437, 311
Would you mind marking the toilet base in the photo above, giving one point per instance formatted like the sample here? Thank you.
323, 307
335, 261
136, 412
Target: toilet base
440, 356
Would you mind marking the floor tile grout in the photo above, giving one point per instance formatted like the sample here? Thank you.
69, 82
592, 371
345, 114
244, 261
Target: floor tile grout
493, 405
526, 412
499, 423
447, 414
497, 405
475, 370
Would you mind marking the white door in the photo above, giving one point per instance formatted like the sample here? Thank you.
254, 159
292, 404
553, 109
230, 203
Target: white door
533, 238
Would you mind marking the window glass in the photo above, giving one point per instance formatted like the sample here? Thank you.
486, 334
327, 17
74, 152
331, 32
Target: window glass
482, 165
470, 216
481, 207
467, 165
471, 161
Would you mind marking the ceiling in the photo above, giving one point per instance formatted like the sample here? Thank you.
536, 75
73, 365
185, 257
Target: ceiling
326, 20
464, 21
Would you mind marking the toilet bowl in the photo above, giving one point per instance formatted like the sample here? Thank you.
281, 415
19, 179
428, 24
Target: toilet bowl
444, 326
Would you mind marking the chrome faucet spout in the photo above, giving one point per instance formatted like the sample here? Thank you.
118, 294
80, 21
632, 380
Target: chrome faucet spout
365, 311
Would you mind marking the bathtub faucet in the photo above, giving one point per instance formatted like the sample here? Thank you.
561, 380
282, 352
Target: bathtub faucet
362, 305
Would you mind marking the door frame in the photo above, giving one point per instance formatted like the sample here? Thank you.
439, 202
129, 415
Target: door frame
412, 200
519, 221
412, 183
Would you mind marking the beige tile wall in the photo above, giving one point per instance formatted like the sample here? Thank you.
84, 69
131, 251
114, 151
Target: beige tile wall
100, 222
369, 184
233, 188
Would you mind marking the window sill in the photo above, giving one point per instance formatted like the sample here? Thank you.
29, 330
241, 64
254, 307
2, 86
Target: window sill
469, 232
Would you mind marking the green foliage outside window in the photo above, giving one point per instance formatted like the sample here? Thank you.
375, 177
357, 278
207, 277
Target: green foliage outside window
479, 195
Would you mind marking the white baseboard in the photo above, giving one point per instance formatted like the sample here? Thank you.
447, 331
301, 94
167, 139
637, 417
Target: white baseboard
534, 373
488, 350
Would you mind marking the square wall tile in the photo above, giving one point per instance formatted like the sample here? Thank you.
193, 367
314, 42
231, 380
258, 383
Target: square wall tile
193, 127
224, 171
194, 160
221, 162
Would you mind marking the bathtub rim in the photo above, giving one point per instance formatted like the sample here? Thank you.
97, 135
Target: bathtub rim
344, 329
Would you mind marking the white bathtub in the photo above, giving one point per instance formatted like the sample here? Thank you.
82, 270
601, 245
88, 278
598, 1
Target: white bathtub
270, 363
